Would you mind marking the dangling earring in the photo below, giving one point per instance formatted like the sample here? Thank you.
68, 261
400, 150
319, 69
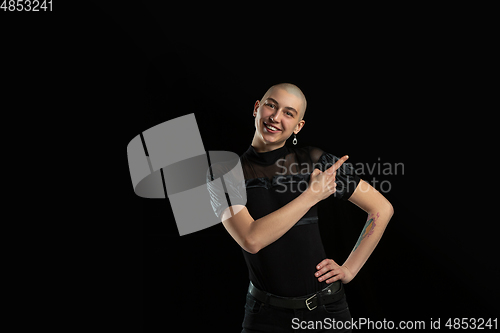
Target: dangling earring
294, 139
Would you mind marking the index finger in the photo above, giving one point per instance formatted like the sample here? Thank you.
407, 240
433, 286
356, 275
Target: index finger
322, 264
338, 163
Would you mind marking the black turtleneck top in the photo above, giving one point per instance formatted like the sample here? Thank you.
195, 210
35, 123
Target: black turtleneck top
271, 180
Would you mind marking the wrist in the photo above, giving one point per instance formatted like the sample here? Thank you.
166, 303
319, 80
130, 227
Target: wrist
310, 197
350, 271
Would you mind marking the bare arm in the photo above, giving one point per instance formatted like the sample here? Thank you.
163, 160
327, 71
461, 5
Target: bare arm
379, 211
253, 235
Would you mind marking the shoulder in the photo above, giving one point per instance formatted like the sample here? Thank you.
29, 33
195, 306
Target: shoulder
307, 154
223, 163
316, 153
313, 153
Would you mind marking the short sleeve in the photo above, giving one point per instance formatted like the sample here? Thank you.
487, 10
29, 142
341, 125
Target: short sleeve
346, 178
226, 188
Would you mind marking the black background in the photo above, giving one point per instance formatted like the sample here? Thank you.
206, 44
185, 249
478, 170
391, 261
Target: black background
391, 90
379, 95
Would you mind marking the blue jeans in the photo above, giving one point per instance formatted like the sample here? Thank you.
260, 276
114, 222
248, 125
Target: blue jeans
332, 317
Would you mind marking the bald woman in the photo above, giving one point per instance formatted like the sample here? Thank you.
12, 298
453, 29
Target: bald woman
292, 282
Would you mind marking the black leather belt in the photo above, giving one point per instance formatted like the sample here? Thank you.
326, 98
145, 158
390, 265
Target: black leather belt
330, 294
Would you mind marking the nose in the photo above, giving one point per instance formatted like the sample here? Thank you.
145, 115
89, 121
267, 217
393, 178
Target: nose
275, 116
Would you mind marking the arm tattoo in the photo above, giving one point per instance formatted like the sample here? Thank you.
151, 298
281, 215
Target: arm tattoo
368, 229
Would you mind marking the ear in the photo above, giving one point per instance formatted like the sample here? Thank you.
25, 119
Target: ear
255, 108
299, 126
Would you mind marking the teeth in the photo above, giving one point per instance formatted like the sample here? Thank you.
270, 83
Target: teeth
272, 128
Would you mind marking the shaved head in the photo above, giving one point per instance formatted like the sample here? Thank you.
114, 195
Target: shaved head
292, 89
278, 115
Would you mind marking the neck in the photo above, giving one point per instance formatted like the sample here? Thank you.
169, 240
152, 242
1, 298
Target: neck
261, 146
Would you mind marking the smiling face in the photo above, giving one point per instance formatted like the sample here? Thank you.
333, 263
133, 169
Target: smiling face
277, 117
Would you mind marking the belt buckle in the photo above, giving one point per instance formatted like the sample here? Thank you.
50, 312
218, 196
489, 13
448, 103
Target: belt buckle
307, 302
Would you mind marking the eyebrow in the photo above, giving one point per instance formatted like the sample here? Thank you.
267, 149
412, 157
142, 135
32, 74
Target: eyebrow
286, 107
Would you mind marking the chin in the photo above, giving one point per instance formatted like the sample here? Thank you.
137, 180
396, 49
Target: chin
271, 139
